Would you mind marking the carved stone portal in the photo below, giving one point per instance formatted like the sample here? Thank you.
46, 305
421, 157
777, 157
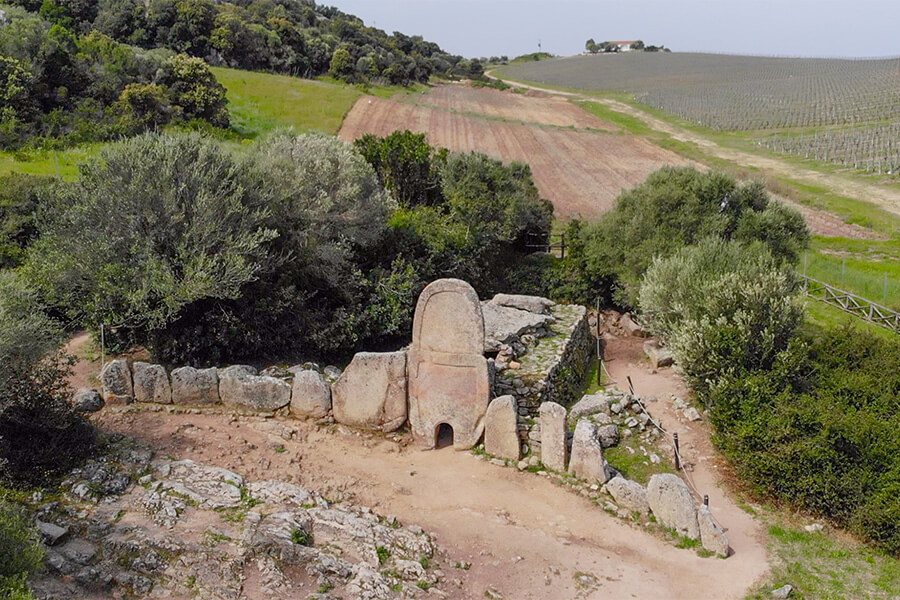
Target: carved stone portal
448, 373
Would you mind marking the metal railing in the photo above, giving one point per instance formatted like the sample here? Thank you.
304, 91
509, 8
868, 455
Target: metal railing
851, 303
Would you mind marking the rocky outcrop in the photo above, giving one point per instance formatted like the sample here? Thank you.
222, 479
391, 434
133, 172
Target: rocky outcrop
151, 383
711, 535
371, 392
193, 530
553, 436
195, 387
628, 494
310, 395
501, 437
586, 461
631, 326
241, 387
87, 400
115, 381
672, 504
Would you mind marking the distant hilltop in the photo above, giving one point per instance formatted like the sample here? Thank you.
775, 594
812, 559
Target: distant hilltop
592, 47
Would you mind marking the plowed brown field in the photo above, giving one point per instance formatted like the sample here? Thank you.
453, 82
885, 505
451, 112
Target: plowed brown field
580, 171
530, 107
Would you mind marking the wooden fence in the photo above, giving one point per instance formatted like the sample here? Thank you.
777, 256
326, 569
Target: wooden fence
853, 304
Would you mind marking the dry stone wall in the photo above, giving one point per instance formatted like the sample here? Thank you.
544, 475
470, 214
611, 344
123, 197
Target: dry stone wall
551, 367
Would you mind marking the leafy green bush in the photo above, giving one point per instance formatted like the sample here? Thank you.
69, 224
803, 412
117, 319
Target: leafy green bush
679, 206
59, 87
20, 197
20, 553
155, 223
40, 435
725, 308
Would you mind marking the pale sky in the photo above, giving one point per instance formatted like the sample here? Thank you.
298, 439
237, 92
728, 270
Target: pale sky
851, 28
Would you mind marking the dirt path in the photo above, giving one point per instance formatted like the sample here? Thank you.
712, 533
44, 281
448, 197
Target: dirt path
523, 535
886, 198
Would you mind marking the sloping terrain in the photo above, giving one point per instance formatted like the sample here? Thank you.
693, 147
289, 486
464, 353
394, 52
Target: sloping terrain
580, 171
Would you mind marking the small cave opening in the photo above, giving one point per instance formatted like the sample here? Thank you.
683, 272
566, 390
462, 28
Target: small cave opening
443, 436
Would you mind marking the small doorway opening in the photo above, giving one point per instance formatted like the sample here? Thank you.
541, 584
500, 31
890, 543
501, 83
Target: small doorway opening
443, 436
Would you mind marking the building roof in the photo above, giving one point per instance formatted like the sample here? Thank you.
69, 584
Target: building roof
629, 42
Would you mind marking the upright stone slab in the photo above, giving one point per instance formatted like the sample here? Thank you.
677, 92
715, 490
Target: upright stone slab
501, 437
711, 536
587, 460
310, 395
371, 392
241, 387
553, 436
195, 387
672, 504
151, 383
115, 382
448, 373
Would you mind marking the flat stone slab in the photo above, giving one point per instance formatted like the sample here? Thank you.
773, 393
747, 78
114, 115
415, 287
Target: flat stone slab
151, 383
504, 324
371, 392
533, 304
115, 382
711, 535
587, 461
310, 395
449, 382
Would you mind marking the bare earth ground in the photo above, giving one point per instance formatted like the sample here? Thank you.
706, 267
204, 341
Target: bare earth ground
524, 536
533, 107
580, 171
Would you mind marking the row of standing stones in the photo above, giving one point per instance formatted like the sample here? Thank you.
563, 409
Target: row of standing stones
666, 496
371, 394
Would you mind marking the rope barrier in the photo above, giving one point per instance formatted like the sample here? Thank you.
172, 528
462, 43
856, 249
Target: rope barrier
678, 455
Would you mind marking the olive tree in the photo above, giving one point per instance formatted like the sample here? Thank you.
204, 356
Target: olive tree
154, 223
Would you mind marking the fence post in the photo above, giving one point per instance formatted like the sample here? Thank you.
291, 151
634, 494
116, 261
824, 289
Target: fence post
677, 452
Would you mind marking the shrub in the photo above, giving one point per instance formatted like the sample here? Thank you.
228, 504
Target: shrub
157, 222
20, 553
40, 435
679, 206
725, 308
20, 196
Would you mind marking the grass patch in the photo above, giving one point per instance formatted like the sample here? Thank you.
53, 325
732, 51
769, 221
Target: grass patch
868, 269
633, 464
819, 566
826, 316
262, 102
621, 120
